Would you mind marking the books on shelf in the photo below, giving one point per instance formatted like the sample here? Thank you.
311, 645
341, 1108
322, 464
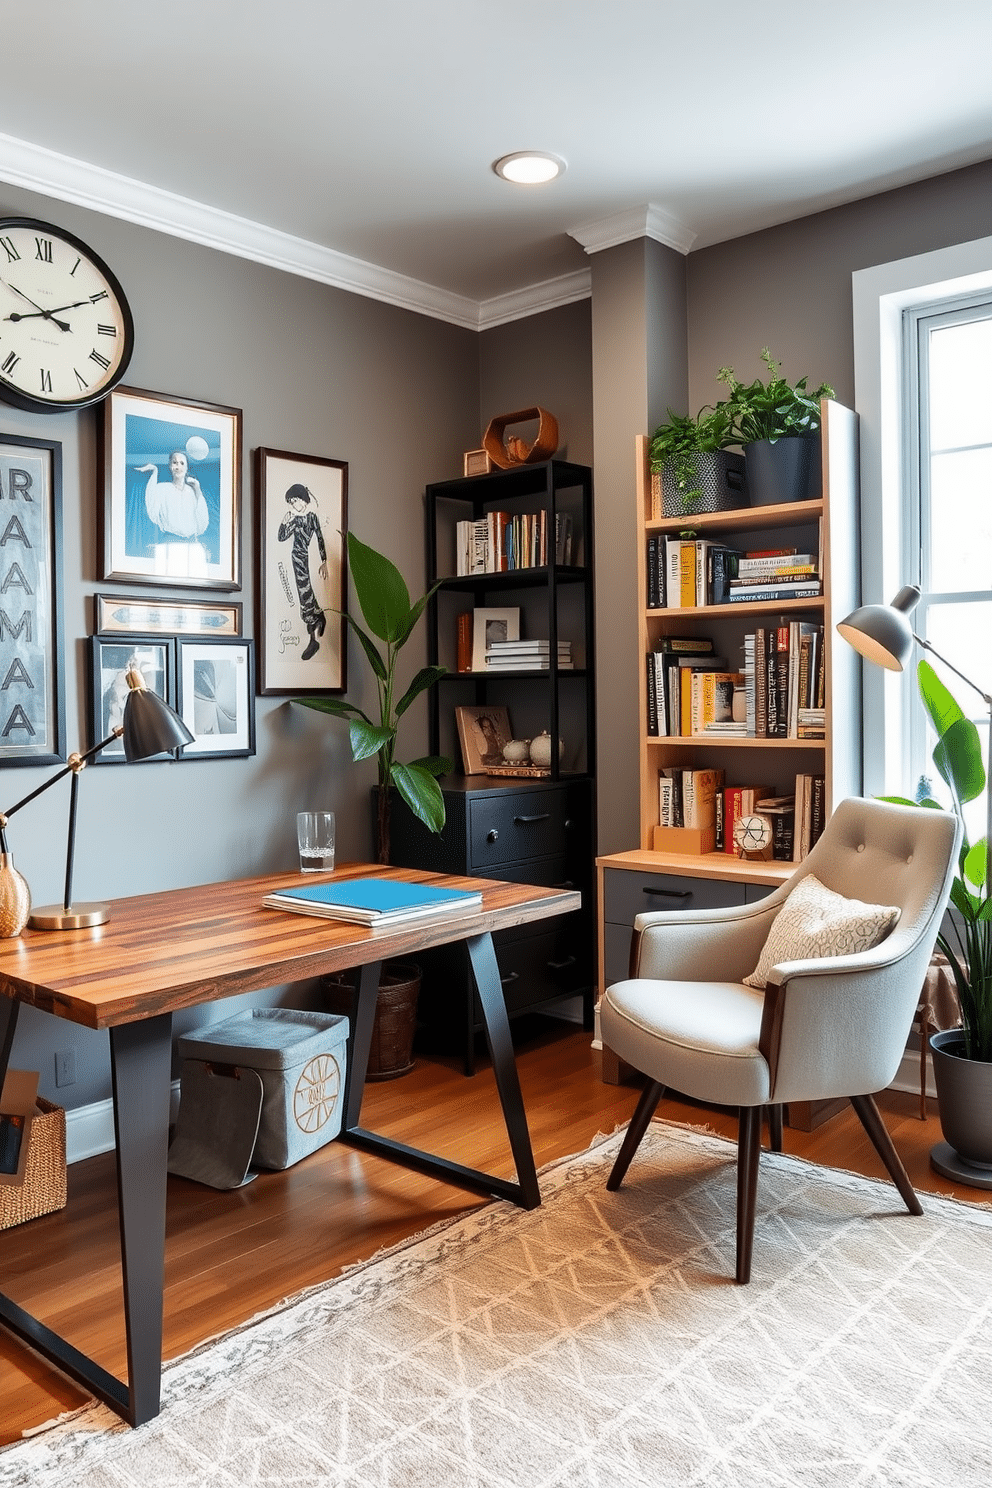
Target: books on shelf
810, 813
794, 589
372, 901
526, 656
464, 642
784, 681
781, 812
501, 542
687, 798
739, 801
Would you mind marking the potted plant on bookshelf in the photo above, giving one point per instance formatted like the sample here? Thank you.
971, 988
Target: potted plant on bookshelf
962, 1057
696, 470
384, 601
778, 424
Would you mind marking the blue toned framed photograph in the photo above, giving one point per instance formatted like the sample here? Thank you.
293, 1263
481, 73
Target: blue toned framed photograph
172, 491
216, 697
32, 703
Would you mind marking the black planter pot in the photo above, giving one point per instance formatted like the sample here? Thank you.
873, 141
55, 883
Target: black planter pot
964, 1100
784, 470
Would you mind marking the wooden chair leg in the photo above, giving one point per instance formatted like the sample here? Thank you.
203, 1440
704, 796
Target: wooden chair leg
873, 1124
748, 1158
775, 1128
645, 1109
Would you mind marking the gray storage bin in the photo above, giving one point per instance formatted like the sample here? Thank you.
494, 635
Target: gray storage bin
300, 1058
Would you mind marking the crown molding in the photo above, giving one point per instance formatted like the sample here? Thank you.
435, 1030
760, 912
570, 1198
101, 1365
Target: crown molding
548, 295
99, 190
90, 186
646, 221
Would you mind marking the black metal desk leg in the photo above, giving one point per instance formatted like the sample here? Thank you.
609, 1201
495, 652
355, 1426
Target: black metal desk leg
141, 1065
360, 1039
485, 969
8, 1023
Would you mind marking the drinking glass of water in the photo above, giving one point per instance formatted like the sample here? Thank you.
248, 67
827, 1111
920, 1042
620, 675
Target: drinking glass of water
315, 836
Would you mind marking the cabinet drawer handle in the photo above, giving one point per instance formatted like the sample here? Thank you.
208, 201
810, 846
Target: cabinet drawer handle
524, 819
568, 884
492, 835
668, 893
511, 976
561, 965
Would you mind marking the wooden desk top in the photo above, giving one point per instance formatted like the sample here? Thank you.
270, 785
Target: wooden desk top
176, 949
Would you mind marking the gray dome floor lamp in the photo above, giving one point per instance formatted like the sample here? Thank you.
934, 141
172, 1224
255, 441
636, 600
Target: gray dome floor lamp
882, 634
149, 727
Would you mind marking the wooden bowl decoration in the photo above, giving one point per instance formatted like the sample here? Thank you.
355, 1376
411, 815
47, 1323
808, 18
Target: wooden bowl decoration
507, 452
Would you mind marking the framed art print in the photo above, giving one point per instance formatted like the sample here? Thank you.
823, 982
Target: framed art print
172, 491
123, 612
32, 711
301, 588
483, 733
216, 697
110, 660
490, 625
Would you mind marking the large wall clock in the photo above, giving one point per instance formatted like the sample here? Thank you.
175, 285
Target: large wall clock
66, 332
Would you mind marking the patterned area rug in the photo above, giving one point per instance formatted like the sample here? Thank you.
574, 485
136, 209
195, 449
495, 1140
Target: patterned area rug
598, 1341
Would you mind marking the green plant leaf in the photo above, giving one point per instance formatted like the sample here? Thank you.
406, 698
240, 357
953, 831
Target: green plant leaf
425, 678
938, 701
416, 612
435, 764
958, 758
337, 707
368, 738
375, 658
421, 793
975, 864
381, 589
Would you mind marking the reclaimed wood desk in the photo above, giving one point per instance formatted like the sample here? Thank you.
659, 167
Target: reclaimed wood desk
179, 949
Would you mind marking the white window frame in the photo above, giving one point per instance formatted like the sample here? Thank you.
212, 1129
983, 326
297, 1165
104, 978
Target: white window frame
889, 538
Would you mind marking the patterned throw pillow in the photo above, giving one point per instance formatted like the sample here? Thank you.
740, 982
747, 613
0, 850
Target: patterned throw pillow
815, 922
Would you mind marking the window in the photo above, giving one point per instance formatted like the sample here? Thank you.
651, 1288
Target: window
948, 376
925, 513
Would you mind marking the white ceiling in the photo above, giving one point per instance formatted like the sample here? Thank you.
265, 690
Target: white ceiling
353, 139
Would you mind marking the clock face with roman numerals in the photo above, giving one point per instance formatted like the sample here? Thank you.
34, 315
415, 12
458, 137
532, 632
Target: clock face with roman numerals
66, 333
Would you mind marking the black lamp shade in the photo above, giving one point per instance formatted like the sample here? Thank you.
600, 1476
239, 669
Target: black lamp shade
150, 725
882, 633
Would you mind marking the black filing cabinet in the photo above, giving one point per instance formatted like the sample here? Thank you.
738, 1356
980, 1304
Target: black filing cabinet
524, 831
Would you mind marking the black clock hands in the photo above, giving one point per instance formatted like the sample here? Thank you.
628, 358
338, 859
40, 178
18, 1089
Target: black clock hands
63, 325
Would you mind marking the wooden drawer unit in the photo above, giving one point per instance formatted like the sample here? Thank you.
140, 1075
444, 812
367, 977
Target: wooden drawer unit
524, 831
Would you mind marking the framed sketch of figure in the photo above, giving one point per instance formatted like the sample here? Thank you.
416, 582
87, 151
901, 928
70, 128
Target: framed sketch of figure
301, 585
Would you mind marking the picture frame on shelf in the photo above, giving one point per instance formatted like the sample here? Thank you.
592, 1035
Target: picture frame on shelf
32, 712
488, 624
483, 733
171, 490
127, 613
301, 590
154, 656
215, 687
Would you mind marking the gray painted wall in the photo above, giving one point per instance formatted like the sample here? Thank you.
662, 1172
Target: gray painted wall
316, 371
789, 288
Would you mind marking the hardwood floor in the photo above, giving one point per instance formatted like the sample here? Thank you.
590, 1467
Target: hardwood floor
231, 1255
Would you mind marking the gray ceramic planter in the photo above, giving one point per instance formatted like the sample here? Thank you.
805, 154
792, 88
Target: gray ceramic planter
964, 1099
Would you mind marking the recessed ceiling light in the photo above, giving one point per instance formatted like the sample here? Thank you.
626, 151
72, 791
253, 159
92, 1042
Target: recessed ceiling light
529, 167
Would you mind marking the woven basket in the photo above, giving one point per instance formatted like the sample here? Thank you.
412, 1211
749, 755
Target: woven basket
44, 1187
391, 1052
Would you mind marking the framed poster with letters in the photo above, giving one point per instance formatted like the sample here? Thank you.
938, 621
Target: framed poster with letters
301, 588
172, 491
32, 704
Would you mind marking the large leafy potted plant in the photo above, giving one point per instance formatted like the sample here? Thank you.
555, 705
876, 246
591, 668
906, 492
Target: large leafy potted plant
777, 423
698, 473
384, 601
962, 1057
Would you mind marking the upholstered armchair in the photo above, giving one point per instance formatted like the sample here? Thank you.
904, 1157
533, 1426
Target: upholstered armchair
807, 995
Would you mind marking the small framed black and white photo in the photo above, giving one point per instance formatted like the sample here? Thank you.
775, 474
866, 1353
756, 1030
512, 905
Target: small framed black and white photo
216, 697
110, 660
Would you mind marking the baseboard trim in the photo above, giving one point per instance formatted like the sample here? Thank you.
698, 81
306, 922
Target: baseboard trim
89, 1130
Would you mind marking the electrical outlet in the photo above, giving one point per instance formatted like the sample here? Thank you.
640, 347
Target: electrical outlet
65, 1067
